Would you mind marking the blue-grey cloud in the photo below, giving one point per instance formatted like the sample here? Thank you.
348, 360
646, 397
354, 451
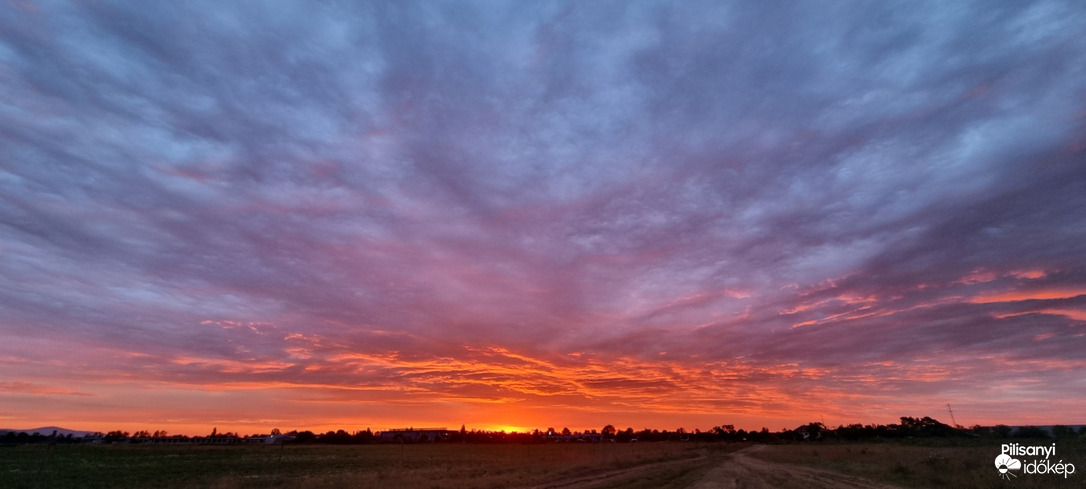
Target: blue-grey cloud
881, 188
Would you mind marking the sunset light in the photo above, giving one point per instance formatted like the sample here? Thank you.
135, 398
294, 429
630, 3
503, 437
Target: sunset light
512, 216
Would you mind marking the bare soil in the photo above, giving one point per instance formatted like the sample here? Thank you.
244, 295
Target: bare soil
714, 469
741, 470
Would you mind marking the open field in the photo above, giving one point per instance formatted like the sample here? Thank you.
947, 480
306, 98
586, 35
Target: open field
922, 463
945, 463
434, 466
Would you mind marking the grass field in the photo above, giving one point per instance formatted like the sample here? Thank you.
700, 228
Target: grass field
930, 462
943, 463
435, 466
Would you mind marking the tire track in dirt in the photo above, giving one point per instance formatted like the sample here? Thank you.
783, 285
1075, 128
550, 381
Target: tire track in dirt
742, 471
625, 474
734, 470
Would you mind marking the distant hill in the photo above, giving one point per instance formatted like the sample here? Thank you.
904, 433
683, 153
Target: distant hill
48, 430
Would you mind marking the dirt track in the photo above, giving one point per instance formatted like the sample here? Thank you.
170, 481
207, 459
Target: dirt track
731, 471
740, 470
610, 478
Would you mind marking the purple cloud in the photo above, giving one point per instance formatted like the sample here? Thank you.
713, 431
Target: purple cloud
546, 206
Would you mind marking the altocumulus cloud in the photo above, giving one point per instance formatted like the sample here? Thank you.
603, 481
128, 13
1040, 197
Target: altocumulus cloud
608, 210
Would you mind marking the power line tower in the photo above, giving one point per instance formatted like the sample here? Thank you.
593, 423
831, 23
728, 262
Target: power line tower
951, 411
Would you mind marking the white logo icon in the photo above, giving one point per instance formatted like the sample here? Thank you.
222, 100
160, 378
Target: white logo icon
1005, 464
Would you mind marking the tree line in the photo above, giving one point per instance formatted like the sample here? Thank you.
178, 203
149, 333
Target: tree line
925, 427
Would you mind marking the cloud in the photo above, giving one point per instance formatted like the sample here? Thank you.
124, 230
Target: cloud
564, 204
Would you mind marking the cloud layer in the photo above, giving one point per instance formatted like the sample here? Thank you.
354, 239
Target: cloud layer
629, 213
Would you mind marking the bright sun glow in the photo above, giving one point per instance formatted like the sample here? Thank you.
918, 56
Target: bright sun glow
510, 429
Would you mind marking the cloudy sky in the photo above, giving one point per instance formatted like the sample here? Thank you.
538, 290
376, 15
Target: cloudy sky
532, 214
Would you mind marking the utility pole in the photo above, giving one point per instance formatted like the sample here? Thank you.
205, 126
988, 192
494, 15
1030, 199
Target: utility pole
951, 411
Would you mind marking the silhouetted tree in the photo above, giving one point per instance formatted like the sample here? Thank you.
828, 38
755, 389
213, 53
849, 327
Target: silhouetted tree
305, 437
813, 430
924, 427
1030, 432
363, 436
1062, 431
115, 436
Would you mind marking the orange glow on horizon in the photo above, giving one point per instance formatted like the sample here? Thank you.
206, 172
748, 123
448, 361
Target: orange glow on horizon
488, 388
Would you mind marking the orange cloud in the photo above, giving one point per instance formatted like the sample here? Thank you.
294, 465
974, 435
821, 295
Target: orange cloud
39, 389
1076, 314
1025, 295
980, 276
1030, 274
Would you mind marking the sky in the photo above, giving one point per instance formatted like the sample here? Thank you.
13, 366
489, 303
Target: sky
515, 215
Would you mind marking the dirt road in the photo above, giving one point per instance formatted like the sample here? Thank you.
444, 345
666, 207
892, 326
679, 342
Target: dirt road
741, 470
736, 470
636, 475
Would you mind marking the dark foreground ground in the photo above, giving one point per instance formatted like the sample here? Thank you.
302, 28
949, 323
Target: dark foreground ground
927, 463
